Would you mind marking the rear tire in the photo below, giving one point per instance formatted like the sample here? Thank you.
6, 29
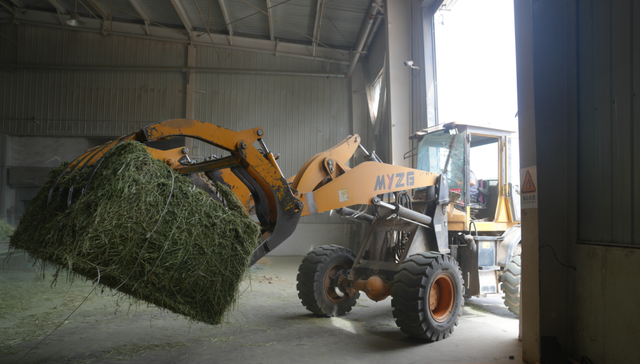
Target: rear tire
317, 278
511, 284
427, 296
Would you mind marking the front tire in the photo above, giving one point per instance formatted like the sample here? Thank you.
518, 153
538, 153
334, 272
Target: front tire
511, 284
318, 277
427, 296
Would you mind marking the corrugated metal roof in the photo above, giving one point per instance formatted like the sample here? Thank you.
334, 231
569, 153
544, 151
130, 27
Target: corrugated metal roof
256, 24
297, 14
121, 9
160, 11
211, 13
38, 4
342, 20
294, 20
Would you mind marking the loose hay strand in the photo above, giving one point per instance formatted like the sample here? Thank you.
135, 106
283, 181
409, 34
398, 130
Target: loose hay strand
148, 231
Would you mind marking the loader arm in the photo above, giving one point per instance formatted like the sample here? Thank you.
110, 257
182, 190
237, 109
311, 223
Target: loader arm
324, 182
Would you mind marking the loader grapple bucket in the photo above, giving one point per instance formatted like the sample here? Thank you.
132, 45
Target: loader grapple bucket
252, 174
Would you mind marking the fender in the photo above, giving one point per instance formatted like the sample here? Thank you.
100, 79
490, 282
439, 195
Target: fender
507, 245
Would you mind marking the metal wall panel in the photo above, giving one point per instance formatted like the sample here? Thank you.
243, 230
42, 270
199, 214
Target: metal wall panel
301, 116
237, 59
68, 47
87, 103
105, 103
608, 126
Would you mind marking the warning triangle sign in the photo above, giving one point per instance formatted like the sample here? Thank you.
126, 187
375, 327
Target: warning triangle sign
528, 186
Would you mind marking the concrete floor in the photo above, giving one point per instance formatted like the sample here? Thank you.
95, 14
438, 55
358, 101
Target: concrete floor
268, 326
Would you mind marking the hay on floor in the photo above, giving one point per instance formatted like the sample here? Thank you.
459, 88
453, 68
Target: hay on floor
5, 231
144, 230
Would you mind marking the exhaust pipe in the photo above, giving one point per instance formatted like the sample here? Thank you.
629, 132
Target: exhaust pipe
404, 213
356, 215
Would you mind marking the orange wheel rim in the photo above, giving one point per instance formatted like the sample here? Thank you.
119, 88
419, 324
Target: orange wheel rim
330, 278
441, 298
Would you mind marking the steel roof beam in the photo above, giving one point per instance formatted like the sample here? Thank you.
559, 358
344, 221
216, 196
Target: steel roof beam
58, 6
225, 15
271, 34
17, 3
142, 14
6, 5
316, 27
160, 33
183, 16
364, 33
59, 9
99, 9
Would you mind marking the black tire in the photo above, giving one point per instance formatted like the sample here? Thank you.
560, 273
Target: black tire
422, 279
317, 277
510, 284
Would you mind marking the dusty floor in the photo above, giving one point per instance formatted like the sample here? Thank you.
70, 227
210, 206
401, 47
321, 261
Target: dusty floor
268, 326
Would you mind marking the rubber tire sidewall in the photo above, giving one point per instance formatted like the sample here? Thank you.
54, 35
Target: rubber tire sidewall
311, 280
410, 292
510, 281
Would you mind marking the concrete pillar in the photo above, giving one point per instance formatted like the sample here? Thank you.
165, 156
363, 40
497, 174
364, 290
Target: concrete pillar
360, 108
6, 195
3, 174
530, 294
189, 104
398, 27
429, 70
191, 62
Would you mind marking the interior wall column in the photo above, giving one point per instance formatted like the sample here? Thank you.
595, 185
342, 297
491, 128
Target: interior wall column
398, 27
5, 150
190, 89
530, 293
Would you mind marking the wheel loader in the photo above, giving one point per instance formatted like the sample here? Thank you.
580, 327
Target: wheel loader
427, 245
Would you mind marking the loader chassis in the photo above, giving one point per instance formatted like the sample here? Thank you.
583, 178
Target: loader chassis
416, 233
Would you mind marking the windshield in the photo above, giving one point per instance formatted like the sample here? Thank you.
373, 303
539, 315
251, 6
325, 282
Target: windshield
443, 153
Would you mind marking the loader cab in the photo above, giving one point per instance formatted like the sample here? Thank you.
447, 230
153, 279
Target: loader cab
478, 165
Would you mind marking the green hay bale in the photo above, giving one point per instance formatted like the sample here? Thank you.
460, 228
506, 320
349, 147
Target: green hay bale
144, 230
5, 231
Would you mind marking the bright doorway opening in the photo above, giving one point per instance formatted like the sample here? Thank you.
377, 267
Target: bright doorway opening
476, 63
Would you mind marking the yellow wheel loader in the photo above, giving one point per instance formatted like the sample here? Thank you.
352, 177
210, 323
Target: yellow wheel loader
424, 248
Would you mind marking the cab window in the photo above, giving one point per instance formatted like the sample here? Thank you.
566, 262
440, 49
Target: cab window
443, 153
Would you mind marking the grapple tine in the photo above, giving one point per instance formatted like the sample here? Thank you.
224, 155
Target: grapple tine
87, 162
90, 152
93, 172
84, 161
53, 187
101, 150
71, 168
70, 196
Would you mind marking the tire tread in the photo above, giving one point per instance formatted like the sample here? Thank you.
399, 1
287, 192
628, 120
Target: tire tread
410, 289
510, 284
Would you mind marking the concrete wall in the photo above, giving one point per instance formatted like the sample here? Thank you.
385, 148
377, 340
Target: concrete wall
555, 112
605, 306
530, 292
48, 153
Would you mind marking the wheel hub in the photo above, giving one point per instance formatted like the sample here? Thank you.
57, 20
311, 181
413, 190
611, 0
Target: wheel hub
333, 283
441, 298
